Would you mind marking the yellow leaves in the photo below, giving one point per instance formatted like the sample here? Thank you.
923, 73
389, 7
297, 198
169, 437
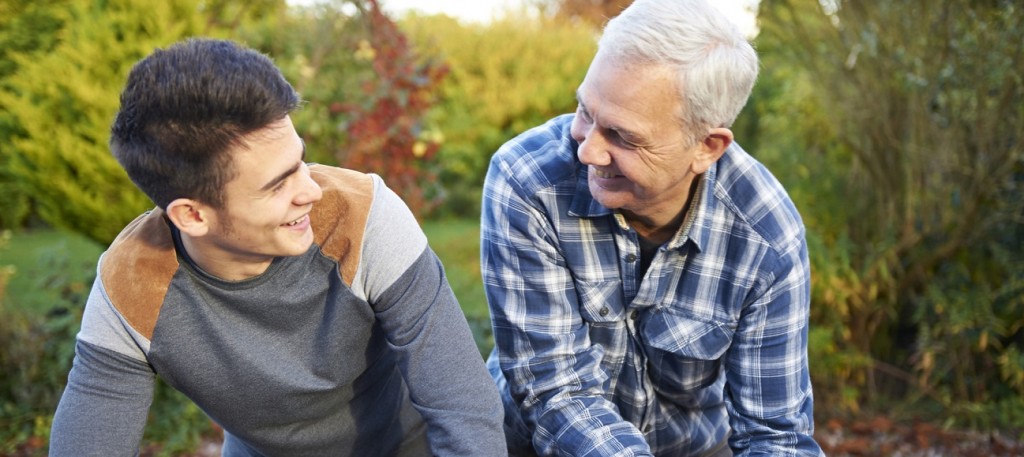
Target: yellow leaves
435, 136
515, 66
419, 149
306, 71
425, 140
927, 362
365, 51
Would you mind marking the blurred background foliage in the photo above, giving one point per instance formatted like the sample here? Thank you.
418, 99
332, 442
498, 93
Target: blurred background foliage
907, 119
896, 127
504, 78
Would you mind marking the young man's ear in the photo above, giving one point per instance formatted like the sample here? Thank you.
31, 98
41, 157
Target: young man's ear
189, 216
711, 148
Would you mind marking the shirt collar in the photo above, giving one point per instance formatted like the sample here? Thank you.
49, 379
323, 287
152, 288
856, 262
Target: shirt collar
696, 227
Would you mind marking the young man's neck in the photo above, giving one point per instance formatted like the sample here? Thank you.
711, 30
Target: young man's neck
220, 263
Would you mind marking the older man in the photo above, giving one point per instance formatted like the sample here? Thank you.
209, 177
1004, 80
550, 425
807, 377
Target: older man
648, 279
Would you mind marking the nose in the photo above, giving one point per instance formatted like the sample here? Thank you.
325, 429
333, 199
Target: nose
592, 148
310, 191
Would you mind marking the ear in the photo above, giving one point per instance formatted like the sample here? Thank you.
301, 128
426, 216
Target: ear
711, 148
190, 216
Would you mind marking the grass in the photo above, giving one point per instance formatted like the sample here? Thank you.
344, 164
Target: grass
46, 264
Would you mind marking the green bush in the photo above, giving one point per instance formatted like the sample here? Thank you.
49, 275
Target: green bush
37, 352
38, 348
36, 358
56, 109
25, 28
503, 78
62, 101
906, 164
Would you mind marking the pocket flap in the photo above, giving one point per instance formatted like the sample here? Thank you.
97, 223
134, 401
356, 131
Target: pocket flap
686, 336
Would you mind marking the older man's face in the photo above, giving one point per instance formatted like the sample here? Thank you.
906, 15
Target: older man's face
639, 157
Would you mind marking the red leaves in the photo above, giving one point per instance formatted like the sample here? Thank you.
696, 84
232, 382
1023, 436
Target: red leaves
385, 135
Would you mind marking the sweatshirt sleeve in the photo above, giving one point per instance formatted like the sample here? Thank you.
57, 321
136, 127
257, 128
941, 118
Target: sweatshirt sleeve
406, 285
103, 409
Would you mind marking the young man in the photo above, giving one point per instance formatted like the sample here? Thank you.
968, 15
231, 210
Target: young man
648, 279
298, 305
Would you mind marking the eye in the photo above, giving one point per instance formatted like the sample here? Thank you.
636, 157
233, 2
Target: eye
583, 113
279, 187
621, 140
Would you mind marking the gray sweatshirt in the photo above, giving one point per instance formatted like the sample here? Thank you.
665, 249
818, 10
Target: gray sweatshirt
358, 347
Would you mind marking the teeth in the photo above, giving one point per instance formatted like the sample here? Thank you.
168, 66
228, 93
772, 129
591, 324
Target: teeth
296, 221
601, 174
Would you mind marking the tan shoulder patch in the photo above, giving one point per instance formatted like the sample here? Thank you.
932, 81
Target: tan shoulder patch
339, 219
137, 270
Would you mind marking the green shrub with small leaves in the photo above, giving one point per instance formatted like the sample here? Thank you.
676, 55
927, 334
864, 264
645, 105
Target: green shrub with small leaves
57, 107
504, 78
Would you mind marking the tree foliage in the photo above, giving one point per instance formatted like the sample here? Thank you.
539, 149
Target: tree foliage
504, 78
25, 28
366, 92
595, 12
918, 267
385, 131
58, 105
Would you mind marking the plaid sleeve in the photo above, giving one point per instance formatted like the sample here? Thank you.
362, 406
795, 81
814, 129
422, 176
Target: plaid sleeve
546, 355
769, 388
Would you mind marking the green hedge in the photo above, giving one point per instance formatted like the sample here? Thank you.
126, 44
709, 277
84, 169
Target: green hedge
504, 78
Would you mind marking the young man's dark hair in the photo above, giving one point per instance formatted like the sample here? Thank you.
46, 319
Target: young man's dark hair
183, 108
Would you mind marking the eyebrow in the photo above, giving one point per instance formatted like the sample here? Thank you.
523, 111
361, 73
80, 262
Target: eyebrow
281, 177
624, 133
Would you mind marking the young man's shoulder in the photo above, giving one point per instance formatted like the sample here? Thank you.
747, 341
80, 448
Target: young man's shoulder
348, 196
359, 217
137, 269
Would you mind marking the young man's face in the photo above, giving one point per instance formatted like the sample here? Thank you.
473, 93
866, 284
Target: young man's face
627, 124
267, 204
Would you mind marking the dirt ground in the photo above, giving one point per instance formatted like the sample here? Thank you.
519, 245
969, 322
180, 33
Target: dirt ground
882, 437
878, 436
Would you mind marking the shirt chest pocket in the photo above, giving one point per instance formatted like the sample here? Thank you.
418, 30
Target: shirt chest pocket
601, 302
684, 354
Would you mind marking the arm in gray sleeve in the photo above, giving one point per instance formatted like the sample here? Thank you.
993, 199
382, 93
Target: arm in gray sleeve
448, 382
447, 379
104, 406
110, 388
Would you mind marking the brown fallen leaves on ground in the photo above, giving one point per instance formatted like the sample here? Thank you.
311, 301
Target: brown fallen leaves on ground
880, 436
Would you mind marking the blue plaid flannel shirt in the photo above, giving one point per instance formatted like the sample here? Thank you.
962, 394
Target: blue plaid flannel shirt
593, 360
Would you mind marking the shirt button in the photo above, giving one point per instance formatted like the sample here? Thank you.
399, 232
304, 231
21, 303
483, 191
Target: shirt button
631, 258
634, 314
604, 311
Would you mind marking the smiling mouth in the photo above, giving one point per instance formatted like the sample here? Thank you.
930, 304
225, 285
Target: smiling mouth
296, 221
603, 175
